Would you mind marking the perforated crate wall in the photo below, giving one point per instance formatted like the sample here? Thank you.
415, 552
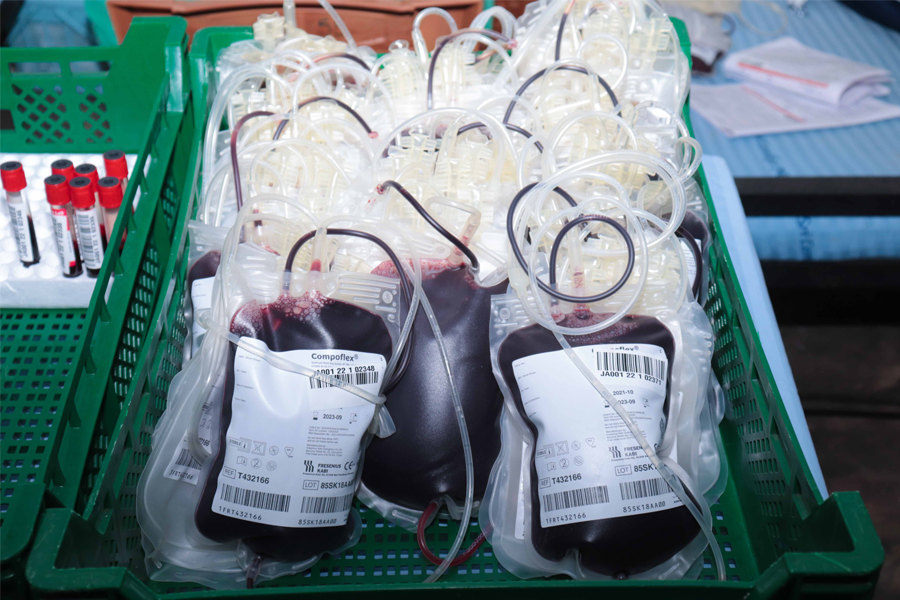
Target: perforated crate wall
65, 372
65, 114
776, 488
36, 358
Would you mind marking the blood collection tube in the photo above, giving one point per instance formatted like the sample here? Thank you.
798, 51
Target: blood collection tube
90, 171
13, 177
116, 166
111, 201
87, 224
63, 167
63, 224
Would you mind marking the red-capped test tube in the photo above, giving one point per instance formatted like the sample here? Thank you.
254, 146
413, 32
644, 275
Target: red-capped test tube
63, 167
63, 224
90, 171
111, 202
87, 224
13, 177
116, 166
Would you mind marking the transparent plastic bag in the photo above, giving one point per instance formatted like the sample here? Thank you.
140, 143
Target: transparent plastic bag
607, 36
608, 389
597, 474
205, 251
451, 209
231, 494
423, 462
204, 254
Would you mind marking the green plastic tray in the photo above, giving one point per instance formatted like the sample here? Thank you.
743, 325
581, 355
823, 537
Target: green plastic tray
65, 372
779, 537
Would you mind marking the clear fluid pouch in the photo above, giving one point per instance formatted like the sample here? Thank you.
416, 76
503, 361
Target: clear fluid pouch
321, 397
204, 255
572, 493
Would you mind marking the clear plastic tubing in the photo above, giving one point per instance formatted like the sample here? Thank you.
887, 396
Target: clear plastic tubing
63, 224
467, 447
550, 13
111, 203
641, 262
504, 17
87, 224
14, 184
217, 110
340, 23
457, 403
492, 123
419, 44
116, 166
663, 169
347, 71
565, 124
378, 224
212, 323
704, 518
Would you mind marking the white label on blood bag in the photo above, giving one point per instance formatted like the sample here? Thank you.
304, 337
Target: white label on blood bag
589, 466
22, 230
690, 260
64, 243
87, 223
201, 299
183, 466
292, 449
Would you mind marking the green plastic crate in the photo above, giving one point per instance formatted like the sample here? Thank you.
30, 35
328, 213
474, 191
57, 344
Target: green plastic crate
65, 372
780, 538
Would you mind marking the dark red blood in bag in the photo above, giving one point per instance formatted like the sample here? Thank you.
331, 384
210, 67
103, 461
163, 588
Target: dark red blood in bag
311, 322
423, 460
205, 266
694, 225
621, 546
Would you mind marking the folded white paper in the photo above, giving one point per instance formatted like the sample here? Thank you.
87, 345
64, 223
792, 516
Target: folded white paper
789, 65
748, 109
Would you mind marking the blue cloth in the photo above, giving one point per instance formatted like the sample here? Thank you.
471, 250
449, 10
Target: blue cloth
51, 24
864, 150
825, 238
736, 235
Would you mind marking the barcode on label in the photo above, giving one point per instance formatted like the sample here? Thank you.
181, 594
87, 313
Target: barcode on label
354, 378
645, 488
631, 363
254, 499
575, 498
89, 236
326, 504
22, 231
185, 459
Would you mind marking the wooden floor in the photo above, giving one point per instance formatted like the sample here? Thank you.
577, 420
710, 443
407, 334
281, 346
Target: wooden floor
849, 383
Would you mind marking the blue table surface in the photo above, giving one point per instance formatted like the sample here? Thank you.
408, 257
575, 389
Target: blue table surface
736, 235
863, 150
